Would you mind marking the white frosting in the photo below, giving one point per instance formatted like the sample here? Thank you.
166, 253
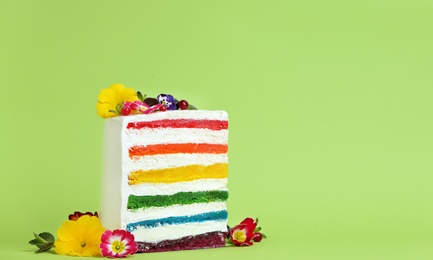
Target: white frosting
148, 189
171, 232
175, 210
175, 114
117, 165
173, 160
112, 175
144, 137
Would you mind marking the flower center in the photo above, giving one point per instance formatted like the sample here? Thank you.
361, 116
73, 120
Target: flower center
83, 244
239, 236
118, 246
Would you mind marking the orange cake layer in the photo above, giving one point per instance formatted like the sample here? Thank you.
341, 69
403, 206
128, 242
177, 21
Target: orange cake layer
137, 151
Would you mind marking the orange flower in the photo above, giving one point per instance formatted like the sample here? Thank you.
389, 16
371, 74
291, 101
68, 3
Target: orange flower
80, 238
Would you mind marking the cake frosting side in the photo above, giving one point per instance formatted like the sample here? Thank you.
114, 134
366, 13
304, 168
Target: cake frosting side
165, 178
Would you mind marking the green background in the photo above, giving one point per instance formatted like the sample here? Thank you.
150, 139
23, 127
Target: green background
330, 106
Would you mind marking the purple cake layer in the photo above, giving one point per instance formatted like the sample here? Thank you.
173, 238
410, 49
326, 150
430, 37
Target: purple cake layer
208, 240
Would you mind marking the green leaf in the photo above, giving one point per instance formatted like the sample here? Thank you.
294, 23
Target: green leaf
39, 238
44, 241
47, 236
119, 108
191, 107
45, 247
141, 96
35, 242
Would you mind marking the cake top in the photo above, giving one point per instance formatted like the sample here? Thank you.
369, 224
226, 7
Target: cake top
117, 100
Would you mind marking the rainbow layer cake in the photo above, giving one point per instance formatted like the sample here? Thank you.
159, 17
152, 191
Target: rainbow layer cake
165, 178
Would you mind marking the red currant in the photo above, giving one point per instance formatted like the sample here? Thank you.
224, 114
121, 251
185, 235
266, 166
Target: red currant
183, 104
257, 237
126, 111
163, 108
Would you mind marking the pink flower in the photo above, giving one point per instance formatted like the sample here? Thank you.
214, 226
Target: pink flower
247, 230
242, 234
117, 243
138, 107
152, 108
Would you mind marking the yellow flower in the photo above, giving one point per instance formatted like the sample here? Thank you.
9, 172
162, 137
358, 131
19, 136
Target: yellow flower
110, 99
80, 238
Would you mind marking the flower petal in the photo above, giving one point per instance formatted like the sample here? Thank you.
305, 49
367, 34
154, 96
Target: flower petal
117, 87
153, 108
250, 226
248, 221
103, 110
67, 230
80, 237
77, 214
106, 235
66, 248
112, 97
128, 94
246, 243
107, 96
110, 239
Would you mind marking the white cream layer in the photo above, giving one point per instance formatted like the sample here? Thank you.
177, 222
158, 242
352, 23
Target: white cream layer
162, 161
151, 136
149, 189
171, 232
176, 114
133, 216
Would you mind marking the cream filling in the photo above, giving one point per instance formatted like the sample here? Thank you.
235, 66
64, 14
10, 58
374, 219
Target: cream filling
177, 114
171, 232
150, 189
154, 162
151, 136
132, 216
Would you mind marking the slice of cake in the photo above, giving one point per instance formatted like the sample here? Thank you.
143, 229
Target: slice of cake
165, 178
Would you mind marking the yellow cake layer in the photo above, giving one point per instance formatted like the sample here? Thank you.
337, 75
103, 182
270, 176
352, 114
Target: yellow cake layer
178, 174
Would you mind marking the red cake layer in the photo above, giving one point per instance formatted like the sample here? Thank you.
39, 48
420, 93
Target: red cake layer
208, 240
180, 123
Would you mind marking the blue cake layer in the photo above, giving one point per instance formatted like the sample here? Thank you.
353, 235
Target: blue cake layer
209, 216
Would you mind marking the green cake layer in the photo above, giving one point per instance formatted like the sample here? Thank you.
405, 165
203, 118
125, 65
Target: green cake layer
183, 198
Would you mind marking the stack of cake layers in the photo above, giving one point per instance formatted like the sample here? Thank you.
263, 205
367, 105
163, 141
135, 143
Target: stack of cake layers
165, 178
